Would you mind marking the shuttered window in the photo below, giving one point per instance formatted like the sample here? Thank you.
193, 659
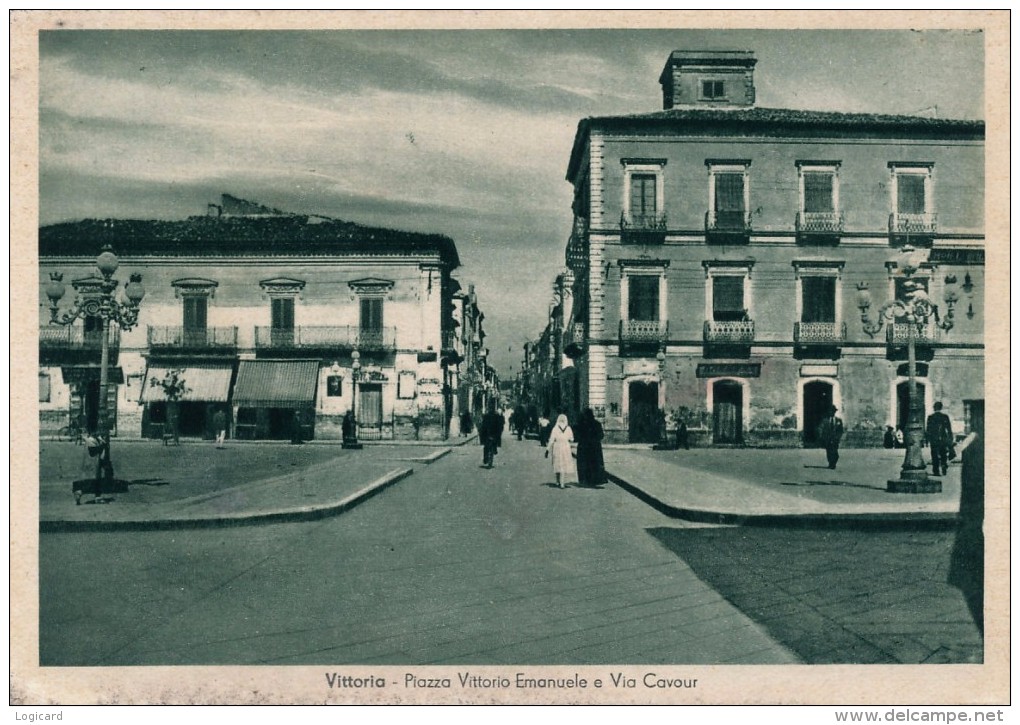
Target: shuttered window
283, 313
818, 198
195, 313
818, 299
371, 313
910, 194
643, 298
729, 192
642, 195
728, 298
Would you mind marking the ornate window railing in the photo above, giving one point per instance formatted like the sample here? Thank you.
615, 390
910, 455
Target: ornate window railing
325, 337
824, 223
738, 331
898, 333
643, 331
819, 333
75, 337
922, 225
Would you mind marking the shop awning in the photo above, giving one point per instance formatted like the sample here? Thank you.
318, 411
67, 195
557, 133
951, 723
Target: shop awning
205, 383
276, 383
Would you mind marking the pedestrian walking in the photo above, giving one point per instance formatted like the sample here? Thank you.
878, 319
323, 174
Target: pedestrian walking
939, 432
99, 447
889, 439
544, 428
519, 421
295, 427
490, 433
682, 438
829, 433
347, 427
591, 469
466, 424
559, 451
220, 425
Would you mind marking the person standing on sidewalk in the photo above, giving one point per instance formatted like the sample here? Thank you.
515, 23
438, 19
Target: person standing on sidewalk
220, 424
490, 430
939, 431
558, 449
830, 433
591, 470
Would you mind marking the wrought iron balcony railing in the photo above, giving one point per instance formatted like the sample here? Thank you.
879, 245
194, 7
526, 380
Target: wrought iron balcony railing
325, 337
819, 333
739, 331
450, 340
921, 225
574, 339
728, 221
653, 222
898, 333
73, 337
176, 337
643, 331
819, 223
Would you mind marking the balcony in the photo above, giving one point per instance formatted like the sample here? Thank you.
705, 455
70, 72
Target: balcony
739, 332
819, 227
177, 339
71, 344
915, 229
643, 337
643, 228
727, 227
819, 333
925, 338
325, 338
574, 340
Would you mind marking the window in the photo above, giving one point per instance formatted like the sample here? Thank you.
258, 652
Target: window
912, 198
372, 313
712, 90
818, 299
195, 313
334, 386
643, 194
44, 387
728, 195
818, 188
282, 309
910, 194
728, 299
643, 298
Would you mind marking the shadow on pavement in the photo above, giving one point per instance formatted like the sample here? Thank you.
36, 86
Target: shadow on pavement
848, 484
837, 596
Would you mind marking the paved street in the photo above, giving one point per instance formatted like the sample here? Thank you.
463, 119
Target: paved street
456, 564
462, 565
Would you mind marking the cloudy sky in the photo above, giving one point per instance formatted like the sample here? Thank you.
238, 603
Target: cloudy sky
466, 133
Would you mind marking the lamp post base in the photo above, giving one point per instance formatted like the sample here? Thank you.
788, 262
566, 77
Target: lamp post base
914, 482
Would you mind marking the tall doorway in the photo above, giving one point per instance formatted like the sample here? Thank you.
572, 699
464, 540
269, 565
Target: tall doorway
903, 403
727, 412
643, 412
817, 401
370, 414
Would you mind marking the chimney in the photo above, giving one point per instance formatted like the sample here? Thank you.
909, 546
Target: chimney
708, 79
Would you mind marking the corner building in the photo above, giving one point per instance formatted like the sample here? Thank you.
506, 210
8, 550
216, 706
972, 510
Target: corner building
277, 319
718, 249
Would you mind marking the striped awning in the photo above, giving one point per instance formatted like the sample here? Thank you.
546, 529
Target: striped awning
204, 383
276, 383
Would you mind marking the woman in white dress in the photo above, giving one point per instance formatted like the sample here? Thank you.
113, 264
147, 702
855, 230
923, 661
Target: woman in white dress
558, 449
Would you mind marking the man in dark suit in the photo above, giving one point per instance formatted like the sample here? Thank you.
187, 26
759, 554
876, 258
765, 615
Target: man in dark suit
830, 433
939, 432
490, 431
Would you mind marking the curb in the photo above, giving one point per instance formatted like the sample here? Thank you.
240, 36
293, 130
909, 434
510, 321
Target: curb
919, 519
302, 513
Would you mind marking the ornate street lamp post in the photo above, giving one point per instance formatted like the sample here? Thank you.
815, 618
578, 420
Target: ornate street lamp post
915, 310
355, 376
96, 299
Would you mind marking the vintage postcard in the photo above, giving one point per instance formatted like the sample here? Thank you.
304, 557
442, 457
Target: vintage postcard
500, 357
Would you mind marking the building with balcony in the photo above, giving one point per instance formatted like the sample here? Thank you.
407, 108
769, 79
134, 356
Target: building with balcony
717, 248
263, 314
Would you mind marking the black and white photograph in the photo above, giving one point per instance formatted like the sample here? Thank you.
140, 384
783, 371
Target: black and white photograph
556, 358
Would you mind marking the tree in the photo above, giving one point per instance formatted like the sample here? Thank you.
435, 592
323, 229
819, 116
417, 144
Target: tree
174, 387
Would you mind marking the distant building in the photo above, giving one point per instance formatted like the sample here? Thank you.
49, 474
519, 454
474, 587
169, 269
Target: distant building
264, 313
717, 248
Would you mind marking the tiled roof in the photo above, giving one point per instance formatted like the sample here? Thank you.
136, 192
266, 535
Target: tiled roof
229, 236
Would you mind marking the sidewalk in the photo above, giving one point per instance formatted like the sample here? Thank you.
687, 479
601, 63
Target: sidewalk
202, 486
748, 486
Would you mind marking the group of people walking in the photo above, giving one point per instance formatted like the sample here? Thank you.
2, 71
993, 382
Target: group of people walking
588, 470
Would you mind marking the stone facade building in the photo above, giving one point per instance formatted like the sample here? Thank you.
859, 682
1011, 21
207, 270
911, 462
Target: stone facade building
266, 316
718, 250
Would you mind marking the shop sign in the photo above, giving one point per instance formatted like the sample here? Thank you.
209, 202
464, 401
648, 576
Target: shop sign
729, 370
